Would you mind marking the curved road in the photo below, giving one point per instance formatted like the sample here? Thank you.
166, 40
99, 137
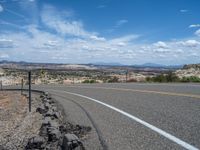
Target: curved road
134, 116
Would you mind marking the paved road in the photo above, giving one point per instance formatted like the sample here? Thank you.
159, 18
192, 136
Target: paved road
134, 116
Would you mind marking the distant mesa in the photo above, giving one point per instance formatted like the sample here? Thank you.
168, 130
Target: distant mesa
189, 66
107, 64
95, 65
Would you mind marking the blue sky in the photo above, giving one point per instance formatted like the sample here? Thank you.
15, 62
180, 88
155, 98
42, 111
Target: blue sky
86, 31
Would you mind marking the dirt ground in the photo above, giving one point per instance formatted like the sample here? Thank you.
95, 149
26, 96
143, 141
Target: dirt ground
17, 124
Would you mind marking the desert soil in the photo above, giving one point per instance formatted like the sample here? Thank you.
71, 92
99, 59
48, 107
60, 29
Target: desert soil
17, 124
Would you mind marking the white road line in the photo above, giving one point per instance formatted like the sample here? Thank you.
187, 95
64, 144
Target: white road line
152, 127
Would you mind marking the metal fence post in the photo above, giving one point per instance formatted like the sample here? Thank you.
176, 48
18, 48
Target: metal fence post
22, 86
29, 78
126, 75
1, 85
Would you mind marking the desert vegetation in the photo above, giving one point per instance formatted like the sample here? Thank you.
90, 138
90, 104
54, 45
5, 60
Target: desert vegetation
190, 73
172, 77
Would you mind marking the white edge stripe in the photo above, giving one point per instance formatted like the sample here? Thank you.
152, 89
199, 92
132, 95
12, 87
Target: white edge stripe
154, 128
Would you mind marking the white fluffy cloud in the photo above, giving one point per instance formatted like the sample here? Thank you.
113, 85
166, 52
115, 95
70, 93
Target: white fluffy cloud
197, 32
6, 43
43, 46
72, 43
37, 45
161, 45
94, 37
4, 56
191, 43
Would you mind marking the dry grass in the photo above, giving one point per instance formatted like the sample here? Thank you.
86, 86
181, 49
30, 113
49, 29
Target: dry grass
16, 123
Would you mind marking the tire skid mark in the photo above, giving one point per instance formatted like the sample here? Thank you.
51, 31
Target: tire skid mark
142, 122
98, 131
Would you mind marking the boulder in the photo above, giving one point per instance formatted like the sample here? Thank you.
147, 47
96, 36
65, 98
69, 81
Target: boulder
41, 109
54, 108
54, 124
47, 105
46, 121
71, 142
56, 115
49, 113
37, 142
46, 93
54, 135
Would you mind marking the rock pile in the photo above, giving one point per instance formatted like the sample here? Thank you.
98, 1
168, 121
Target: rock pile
54, 133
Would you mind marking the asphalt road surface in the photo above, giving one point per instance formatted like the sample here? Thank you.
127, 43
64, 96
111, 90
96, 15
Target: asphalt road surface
134, 116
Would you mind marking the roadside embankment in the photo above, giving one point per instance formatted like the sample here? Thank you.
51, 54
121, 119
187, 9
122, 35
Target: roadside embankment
43, 128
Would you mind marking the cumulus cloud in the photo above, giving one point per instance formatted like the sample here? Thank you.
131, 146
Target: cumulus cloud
160, 50
161, 44
190, 43
38, 45
194, 54
73, 43
6, 43
179, 51
197, 32
4, 56
94, 37
50, 45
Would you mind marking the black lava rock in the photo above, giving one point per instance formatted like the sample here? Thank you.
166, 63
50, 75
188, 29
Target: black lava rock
71, 142
37, 142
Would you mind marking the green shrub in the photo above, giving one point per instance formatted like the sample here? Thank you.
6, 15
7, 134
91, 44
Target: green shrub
89, 81
190, 79
169, 77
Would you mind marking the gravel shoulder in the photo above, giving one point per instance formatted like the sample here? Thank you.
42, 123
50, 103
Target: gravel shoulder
17, 124
45, 127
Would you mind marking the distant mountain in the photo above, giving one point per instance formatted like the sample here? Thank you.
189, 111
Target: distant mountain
106, 64
30, 65
154, 65
23, 64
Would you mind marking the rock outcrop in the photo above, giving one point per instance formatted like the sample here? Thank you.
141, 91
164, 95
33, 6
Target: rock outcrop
188, 71
54, 132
